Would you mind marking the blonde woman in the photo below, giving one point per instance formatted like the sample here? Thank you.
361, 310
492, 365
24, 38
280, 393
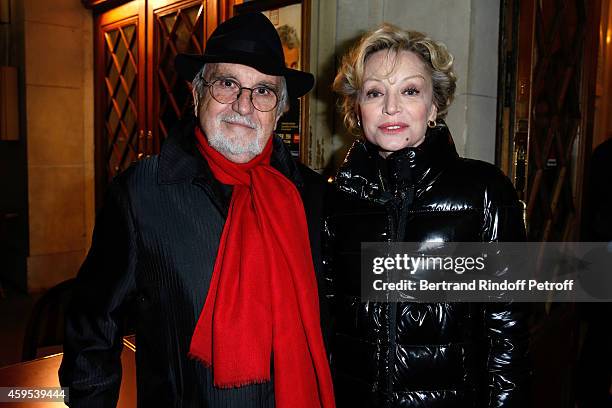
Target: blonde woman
402, 180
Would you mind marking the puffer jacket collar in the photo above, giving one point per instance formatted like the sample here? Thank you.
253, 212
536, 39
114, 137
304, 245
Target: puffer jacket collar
367, 175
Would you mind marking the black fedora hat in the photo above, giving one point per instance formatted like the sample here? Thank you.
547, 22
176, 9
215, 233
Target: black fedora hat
247, 39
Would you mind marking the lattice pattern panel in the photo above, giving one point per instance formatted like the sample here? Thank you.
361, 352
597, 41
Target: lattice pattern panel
181, 31
121, 89
556, 114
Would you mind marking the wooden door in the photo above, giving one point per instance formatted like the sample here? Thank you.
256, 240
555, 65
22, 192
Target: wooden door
138, 95
546, 108
173, 27
549, 66
119, 90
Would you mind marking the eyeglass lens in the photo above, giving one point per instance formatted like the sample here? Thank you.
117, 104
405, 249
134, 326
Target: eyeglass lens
227, 91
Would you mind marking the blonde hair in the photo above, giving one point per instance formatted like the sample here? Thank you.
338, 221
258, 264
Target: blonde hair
435, 56
288, 36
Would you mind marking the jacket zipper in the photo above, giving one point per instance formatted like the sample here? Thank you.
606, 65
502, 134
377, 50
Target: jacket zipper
391, 312
400, 213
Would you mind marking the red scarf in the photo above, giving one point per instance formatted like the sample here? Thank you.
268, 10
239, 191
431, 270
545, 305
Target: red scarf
262, 302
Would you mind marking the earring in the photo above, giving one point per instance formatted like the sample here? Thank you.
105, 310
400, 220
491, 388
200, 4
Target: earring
358, 123
431, 124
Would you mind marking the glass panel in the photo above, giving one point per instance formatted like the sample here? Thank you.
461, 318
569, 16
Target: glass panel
183, 32
129, 32
112, 124
111, 70
185, 27
129, 76
168, 22
111, 39
121, 96
130, 122
192, 13
120, 51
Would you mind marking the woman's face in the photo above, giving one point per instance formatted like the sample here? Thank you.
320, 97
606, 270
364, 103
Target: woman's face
395, 103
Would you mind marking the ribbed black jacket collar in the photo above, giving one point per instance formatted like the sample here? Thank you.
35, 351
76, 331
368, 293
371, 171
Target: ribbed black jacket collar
366, 174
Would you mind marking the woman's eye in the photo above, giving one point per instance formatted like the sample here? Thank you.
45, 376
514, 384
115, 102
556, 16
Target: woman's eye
411, 92
373, 93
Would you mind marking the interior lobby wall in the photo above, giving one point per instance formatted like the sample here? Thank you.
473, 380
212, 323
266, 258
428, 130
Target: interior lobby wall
59, 116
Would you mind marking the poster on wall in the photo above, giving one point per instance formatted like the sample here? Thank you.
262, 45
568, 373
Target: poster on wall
287, 19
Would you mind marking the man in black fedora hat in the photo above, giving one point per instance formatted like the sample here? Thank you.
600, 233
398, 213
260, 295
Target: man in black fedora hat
209, 243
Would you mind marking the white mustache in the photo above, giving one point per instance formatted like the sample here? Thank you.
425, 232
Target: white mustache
239, 119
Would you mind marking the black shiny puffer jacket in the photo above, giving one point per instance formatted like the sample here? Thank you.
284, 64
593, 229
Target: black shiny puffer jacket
416, 354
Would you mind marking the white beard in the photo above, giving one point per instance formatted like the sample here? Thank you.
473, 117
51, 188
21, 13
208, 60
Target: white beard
235, 145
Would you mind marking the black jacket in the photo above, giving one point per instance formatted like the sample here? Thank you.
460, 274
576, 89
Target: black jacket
414, 354
153, 251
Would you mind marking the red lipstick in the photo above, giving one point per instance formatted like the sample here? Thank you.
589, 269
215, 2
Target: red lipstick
392, 128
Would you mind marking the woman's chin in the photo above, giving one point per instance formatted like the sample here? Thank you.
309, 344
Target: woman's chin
393, 145
389, 148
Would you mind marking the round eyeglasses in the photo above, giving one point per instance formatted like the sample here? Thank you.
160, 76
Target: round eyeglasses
226, 91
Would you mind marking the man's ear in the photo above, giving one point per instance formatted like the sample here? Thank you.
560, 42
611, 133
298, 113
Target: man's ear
196, 102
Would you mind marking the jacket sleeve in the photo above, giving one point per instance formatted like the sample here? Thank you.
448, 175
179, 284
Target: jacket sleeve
506, 324
327, 285
314, 195
91, 366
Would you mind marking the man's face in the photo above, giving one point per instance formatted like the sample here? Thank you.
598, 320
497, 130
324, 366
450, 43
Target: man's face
237, 130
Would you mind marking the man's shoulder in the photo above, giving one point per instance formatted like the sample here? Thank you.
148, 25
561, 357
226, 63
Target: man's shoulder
140, 175
310, 176
313, 190
176, 162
